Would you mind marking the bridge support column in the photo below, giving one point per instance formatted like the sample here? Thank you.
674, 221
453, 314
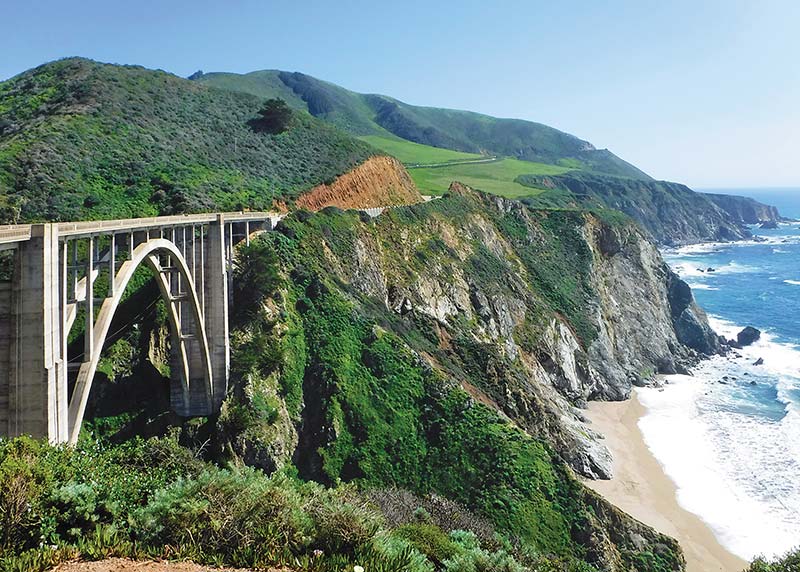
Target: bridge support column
215, 276
37, 397
7, 335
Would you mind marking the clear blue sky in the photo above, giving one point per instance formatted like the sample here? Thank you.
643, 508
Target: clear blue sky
705, 92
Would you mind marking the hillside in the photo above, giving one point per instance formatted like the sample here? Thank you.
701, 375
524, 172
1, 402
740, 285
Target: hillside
387, 118
411, 387
671, 212
506, 157
81, 139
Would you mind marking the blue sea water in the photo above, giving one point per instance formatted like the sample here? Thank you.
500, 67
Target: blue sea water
729, 436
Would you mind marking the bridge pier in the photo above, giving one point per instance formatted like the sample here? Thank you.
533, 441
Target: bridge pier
37, 374
215, 269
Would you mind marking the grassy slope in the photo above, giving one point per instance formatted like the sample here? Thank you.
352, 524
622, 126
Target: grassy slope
80, 139
412, 153
498, 177
673, 213
443, 128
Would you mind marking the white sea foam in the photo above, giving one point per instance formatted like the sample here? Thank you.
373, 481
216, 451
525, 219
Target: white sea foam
737, 468
794, 282
691, 269
701, 286
705, 248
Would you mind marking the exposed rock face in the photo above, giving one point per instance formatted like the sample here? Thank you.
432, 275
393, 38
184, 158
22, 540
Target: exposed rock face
478, 287
637, 333
747, 336
379, 181
744, 209
516, 314
689, 320
672, 213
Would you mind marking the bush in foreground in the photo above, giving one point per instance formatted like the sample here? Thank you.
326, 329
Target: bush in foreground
154, 499
788, 563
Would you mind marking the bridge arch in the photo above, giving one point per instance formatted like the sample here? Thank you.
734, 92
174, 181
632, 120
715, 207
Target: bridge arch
149, 253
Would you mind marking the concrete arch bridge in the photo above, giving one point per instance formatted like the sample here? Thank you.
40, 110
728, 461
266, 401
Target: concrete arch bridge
65, 272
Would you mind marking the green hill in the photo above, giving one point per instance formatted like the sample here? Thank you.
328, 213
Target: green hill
81, 139
463, 131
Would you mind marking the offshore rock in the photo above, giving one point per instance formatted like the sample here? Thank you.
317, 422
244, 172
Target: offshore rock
747, 336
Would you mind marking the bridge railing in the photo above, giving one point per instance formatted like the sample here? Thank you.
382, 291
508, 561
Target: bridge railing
14, 233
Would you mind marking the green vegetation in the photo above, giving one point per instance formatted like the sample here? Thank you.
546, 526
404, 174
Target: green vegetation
154, 499
788, 563
533, 157
497, 177
275, 117
384, 117
373, 413
392, 421
412, 153
370, 454
87, 140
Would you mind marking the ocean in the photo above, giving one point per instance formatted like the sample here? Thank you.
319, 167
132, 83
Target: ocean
729, 436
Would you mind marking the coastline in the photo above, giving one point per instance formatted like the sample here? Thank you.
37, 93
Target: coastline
641, 488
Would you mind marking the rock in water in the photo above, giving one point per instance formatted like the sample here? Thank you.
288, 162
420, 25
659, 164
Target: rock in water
689, 321
748, 335
770, 224
759, 361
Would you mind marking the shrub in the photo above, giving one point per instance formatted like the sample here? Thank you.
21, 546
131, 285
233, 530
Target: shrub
221, 511
20, 492
430, 540
77, 507
342, 527
391, 545
401, 507
790, 562
470, 557
55, 494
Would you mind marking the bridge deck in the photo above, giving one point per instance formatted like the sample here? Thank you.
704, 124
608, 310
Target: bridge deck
13, 233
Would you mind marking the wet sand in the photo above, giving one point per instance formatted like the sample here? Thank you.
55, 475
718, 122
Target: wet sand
642, 489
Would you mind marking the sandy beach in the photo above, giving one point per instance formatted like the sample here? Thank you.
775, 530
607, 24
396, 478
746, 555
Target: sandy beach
642, 489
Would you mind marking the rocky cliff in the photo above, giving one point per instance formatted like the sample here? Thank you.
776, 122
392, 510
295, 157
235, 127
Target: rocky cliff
744, 209
379, 181
568, 306
362, 332
672, 213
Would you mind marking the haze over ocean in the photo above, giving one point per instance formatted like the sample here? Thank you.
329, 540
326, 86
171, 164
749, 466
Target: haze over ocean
730, 436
